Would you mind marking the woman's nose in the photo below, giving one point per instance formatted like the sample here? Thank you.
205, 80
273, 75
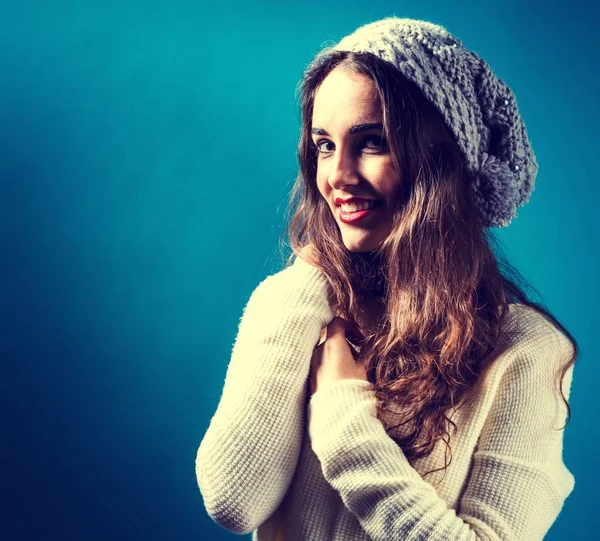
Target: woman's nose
343, 170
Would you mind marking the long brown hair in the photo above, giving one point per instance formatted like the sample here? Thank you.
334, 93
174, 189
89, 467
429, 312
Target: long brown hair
436, 275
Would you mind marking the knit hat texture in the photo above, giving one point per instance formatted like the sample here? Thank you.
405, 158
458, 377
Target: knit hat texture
479, 108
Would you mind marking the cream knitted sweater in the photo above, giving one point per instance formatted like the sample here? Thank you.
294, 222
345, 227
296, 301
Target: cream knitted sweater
273, 465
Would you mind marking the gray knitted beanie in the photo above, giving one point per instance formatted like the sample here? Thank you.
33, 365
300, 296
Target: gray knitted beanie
479, 108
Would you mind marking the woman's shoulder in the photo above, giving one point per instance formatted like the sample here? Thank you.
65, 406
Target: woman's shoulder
527, 321
529, 333
531, 348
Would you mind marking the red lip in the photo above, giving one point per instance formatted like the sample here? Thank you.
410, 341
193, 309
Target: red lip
353, 217
339, 200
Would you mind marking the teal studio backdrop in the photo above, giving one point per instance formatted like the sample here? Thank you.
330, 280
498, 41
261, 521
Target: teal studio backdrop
146, 152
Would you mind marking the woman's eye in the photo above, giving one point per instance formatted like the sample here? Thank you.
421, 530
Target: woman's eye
319, 145
379, 142
374, 142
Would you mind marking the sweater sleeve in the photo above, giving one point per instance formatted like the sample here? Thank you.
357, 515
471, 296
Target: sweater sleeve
518, 481
248, 455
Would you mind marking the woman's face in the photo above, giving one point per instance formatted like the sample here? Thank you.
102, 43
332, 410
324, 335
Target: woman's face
353, 159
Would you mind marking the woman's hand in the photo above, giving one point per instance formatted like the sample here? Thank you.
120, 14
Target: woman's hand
332, 360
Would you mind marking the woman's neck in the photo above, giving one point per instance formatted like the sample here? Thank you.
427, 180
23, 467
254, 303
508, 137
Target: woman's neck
369, 280
367, 274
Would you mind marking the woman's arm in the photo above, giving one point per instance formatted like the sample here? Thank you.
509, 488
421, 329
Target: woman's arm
249, 453
518, 482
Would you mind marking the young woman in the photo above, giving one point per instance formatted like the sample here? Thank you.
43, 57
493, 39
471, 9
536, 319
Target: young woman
391, 382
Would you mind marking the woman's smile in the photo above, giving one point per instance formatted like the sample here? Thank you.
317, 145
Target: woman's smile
355, 215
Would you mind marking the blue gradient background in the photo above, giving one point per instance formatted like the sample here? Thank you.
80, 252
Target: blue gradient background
146, 152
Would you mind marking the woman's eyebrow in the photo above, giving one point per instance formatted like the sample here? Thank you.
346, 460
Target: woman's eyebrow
353, 129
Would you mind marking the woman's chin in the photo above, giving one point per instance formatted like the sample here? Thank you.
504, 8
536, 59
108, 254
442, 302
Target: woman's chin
361, 245
359, 249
